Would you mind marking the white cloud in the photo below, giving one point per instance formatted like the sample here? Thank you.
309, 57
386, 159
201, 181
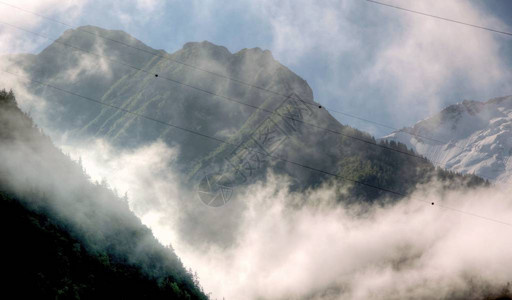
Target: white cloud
372, 55
427, 55
325, 251
302, 27
28, 16
17, 41
406, 250
148, 5
369, 55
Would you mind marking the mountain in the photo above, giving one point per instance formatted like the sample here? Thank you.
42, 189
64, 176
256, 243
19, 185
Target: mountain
115, 83
284, 130
64, 237
86, 225
469, 137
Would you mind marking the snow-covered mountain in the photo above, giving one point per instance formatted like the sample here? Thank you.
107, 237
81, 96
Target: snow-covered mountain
468, 137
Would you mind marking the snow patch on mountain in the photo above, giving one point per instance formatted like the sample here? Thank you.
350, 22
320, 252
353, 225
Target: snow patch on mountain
468, 137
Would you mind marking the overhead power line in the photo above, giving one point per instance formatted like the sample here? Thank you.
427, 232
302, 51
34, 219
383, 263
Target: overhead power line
225, 97
440, 18
222, 97
246, 84
253, 86
190, 131
127, 111
166, 57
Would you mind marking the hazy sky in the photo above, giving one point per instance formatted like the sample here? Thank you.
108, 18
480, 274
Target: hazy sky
375, 62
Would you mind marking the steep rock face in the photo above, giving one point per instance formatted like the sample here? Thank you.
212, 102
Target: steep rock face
181, 95
469, 137
209, 90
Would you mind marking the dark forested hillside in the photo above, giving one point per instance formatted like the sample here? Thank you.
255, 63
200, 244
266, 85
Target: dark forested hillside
43, 260
64, 237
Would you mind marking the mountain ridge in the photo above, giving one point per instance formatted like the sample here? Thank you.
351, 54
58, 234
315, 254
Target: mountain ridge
468, 137
199, 101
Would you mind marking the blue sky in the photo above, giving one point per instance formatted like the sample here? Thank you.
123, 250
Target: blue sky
375, 62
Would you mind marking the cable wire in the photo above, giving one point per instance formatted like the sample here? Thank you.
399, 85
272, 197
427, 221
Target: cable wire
127, 111
437, 163
251, 150
440, 18
228, 77
256, 87
228, 98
